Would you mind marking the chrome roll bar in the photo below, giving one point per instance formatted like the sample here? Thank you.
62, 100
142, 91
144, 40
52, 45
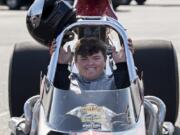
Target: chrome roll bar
95, 21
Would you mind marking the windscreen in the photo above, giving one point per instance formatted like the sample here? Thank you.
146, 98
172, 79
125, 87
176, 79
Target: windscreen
109, 110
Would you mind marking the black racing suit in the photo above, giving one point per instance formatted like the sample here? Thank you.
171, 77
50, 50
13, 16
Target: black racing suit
119, 79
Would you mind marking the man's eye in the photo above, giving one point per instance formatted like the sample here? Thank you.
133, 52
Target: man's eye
96, 58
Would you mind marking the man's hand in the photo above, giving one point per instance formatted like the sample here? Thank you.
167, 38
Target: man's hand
64, 56
120, 56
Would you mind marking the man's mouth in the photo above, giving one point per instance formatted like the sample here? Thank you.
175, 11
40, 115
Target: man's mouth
91, 68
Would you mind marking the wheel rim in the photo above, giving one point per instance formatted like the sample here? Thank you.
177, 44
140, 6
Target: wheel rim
12, 3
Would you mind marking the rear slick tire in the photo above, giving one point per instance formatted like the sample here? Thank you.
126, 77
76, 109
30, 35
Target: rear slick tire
26, 64
158, 61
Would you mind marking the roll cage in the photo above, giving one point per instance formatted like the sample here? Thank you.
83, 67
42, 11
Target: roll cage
94, 21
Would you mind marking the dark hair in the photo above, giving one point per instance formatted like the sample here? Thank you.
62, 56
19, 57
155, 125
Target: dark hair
89, 46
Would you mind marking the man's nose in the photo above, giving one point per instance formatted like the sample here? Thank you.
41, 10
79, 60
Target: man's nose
90, 62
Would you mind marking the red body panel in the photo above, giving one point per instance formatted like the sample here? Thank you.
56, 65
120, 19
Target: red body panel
95, 8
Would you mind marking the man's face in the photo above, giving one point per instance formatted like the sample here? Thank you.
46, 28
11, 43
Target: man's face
91, 67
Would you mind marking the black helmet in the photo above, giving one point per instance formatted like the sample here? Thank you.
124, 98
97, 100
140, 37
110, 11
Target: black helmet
45, 20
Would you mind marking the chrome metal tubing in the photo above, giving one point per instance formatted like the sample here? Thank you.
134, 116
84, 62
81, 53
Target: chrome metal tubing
95, 21
151, 118
161, 112
28, 112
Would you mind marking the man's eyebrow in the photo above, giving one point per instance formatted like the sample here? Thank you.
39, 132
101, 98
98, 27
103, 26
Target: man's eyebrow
96, 55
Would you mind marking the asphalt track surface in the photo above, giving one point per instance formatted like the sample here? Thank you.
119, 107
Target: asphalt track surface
157, 19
